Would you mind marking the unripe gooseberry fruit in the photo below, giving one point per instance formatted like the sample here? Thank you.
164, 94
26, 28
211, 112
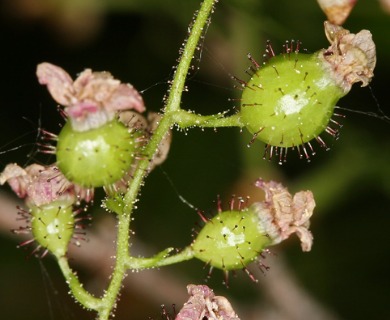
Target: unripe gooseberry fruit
52, 226
96, 157
230, 240
290, 100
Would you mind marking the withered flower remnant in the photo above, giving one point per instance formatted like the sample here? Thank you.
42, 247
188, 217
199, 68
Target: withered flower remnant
282, 214
40, 185
351, 58
204, 304
337, 11
92, 99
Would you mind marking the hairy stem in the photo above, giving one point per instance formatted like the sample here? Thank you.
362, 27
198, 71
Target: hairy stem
186, 119
201, 21
79, 293
122, 253
161, 259
130, 198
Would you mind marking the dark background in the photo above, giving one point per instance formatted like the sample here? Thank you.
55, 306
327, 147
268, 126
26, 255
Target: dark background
347, 271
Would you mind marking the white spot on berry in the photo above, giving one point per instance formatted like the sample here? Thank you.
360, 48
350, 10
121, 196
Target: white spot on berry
52, 228
289, 105
232, 239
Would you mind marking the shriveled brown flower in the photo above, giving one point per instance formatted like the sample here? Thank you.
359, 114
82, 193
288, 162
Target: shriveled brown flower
92, 99
203, 304
350, 58
40, 185
337, 11
281, 214
164, 146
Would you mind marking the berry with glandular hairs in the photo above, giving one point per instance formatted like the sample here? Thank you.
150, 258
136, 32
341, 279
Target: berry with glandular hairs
231, 240
94, 148
235, 238
96, 157
50, 198
52, 226
290, 100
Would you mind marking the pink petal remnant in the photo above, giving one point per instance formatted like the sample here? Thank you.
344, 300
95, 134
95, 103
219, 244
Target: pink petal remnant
350, 58
92, 99
337, 11
41, 185
203, 304
281, 214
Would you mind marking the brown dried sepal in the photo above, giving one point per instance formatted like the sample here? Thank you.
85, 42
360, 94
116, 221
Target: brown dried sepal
281, 214
203, 304
144, 129
40, 185
337, 11
163, 148
92, 99
350, 58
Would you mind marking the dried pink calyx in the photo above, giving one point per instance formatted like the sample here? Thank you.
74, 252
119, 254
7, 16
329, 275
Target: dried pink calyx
41, 185
92, 99
281, 214
203, 304
337, 11
350, 58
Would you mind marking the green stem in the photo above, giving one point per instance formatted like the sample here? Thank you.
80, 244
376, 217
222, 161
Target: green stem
130, 198
160, 259
173, 102
174, 98
186, 119
122, 253
79, 293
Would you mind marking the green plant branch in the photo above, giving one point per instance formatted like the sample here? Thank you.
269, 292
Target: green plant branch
130, 198
123, 207
172, 104
186, 119
161, 259
79, 293
178, 83
105, 305
122, 252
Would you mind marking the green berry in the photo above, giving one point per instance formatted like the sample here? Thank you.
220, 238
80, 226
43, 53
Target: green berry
231, 240
52, 226
290, 100
97, 157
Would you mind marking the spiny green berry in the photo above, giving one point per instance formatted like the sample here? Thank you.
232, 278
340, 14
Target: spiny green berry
52, 226
94, 148
96, 157
231, 240
290, 100
50, 199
